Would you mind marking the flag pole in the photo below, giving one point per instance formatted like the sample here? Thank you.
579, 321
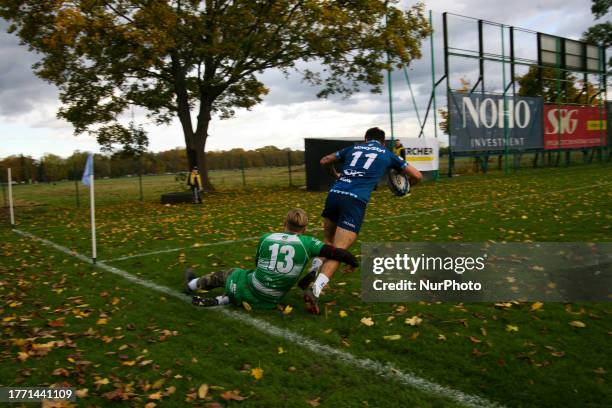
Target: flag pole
10, 193
92, 207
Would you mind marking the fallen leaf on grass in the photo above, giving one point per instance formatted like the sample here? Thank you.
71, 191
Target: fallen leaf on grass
367, 321
156, 395
281, 350
257, 373
413, 321
287, 310
61, 371
510, 328
150, 405
577, 323
246, 306
441, 337
82, 393
342, 313
393, 337
314, 402
536, 306
233, 396
102, 321
202, 391
100, 382
56, 323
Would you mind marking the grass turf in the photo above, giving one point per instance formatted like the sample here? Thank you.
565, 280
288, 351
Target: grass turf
547, 362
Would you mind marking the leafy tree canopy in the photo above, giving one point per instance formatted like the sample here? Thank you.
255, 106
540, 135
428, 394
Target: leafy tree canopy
175, 58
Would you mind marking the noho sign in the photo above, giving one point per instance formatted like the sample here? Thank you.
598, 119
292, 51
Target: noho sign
489, 112
487, 122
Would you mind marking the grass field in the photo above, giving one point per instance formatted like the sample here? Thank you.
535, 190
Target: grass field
64, 320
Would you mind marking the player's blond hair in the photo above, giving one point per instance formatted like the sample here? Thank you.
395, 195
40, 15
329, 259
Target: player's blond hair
296, 220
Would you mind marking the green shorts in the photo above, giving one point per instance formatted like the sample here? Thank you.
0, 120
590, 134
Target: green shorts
238, 290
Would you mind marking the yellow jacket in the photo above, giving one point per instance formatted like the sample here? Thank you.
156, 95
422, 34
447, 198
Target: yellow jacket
194, 180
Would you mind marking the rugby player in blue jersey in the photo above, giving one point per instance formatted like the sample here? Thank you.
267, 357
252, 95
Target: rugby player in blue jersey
362, 167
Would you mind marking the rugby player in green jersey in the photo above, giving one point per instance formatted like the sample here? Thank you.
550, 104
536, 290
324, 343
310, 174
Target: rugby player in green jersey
280, 259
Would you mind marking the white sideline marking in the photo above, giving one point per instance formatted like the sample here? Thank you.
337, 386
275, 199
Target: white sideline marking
474, 204
384, 370
163, 251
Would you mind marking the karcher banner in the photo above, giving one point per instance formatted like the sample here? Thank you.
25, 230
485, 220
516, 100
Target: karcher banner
422, 153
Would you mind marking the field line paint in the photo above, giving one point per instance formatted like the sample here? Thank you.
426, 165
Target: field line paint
433, 210
384, 370
163, 251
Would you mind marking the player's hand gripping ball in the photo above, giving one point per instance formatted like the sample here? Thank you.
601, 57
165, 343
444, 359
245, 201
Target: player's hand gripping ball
398, 182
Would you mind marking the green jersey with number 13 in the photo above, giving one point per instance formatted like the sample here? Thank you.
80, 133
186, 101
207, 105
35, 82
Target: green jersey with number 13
280, 259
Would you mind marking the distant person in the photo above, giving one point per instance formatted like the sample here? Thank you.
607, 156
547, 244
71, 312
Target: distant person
399, 150
194, 181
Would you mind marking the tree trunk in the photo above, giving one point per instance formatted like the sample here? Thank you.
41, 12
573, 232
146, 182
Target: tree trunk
199, 141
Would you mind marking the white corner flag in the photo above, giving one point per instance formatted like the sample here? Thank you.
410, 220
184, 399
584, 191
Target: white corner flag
88, 180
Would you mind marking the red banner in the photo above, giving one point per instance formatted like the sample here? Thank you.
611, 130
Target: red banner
573, 127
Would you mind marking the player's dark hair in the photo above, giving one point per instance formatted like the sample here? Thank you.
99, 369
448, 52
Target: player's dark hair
375, 134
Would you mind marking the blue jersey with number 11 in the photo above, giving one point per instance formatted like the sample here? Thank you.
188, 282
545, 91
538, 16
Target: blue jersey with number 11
363, 165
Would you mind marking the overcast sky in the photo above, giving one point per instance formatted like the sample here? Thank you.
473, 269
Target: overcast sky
291, 111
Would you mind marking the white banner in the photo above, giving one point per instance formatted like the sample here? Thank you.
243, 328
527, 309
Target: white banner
422, 153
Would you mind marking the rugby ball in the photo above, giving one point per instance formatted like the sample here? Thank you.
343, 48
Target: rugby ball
398, 182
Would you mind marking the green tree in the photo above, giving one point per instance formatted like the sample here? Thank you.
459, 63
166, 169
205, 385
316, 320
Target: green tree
600, 34
178, 57
570, 89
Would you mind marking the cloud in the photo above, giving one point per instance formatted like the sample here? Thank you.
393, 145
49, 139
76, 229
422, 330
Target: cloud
20, 90
291, 111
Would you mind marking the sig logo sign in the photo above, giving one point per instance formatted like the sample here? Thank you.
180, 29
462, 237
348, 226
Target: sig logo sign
561, 121
574, 127
485, 122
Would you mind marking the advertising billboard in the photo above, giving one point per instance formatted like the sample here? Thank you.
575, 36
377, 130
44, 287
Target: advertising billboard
476, 122
421, 152
574, 127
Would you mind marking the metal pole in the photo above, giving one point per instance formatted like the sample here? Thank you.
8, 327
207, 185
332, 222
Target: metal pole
445, 35
503, 44
603, 80
390, 88
481, 56
92, 206
433, 88
10, 193
412, 96
558, 64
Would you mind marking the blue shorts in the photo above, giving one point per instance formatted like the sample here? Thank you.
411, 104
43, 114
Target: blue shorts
345, 211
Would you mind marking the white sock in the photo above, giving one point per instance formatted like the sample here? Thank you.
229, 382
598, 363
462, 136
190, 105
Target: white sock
193, 284
222, 300
319, 284
316, 264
